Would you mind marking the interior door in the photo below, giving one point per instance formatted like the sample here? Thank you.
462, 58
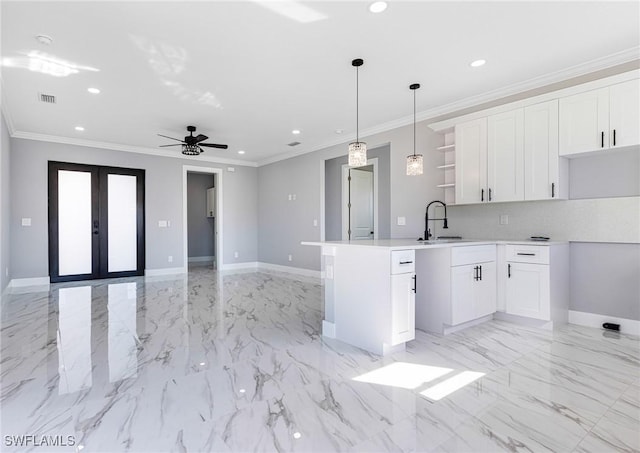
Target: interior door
96, 222
361, 204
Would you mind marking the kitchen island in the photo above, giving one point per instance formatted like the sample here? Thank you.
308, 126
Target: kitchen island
377, 292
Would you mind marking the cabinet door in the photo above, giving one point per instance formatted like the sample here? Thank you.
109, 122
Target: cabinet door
528, 291
624, 100
584, 122
471, 161
486, 290
541, 161
505, 164
403, 308
463, 293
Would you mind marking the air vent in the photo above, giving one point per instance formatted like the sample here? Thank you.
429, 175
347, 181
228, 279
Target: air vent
293, 144
47, 98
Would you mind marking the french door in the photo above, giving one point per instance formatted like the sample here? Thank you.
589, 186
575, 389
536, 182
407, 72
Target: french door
96, 222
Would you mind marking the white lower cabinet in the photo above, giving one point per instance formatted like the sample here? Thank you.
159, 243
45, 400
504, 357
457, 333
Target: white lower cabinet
403, 308
535, 281
457, 285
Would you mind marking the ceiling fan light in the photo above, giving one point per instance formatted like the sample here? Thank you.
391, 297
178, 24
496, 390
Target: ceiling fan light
190, 150
414, 164
357, 154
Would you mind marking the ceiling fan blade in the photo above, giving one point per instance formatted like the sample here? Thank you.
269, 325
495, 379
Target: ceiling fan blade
176, 139
201, 138
174, 144
214, 145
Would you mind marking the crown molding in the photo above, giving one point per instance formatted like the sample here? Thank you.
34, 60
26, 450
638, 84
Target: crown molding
5, 112
126, 148
618, 58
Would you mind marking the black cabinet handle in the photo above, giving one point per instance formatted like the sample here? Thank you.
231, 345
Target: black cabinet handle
482, 195
489, 193
614, 137
525, 254
553, 190
508, 270
406, 262
480, 272
415, 283
602, 139
475, 273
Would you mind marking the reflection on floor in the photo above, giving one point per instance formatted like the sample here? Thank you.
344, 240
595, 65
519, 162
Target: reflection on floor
236, 362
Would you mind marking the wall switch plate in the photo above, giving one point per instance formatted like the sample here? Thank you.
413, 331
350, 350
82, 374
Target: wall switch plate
26, 221
294, 197
315, 222
402, 221
290, 258
290, 197
162, 223
504, 219
170, 259
231, 169
235, 254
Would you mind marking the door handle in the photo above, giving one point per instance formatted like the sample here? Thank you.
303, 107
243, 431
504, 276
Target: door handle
415, 283
95, 227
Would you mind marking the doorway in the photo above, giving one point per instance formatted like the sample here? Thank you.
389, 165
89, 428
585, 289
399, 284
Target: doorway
201, 220
96, 222
360, 201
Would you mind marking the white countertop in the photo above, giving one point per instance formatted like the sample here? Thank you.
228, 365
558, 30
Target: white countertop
403, 244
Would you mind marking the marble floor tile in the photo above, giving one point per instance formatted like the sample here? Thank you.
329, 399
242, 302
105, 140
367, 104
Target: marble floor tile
219, 361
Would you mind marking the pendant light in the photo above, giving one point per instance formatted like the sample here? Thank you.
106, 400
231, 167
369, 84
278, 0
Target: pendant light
357, 149
414, 161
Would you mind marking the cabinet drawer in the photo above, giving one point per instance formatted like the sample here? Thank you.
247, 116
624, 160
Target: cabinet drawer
472, 254
403, 261
536, 254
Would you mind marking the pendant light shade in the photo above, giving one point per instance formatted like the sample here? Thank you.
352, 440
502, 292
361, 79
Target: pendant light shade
357, 149
415, 162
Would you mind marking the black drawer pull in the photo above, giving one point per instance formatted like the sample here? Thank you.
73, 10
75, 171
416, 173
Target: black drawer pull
489, 193
406, 262
553, 190
509, 270
614, 137
526, 254
602, 140
482, 195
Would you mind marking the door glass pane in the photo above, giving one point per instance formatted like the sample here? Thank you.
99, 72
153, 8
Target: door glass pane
74, 222
121, 197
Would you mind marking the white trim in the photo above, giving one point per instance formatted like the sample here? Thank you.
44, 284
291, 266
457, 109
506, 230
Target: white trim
523, 320
238, 266
328, 329
164, 271
289, 269
126, 148
581, 318
446, 330
478, 100
218, 214
34, 281
201, 259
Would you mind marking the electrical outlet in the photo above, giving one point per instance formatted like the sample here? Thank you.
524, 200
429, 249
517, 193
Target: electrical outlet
294, 197
315, 222
504, 219
235, 254
290, 197
290, 257
170, 259
26, 221
162, 223
402, 221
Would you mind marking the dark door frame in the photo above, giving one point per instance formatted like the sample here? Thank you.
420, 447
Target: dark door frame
99, 220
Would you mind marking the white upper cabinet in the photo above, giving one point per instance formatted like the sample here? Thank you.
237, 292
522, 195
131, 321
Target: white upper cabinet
545, 174
471, 161
505, 166
600, 119
624, 114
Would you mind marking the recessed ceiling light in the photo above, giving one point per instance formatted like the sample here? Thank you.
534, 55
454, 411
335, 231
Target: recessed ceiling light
241, 152
477, 63
93, 90
79, 128
44, 39
295, 132
377, 7
242, 390
297, 435
202, 364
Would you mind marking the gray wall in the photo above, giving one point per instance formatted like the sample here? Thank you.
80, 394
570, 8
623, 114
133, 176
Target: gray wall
604, 279
284, 224
5, 204
333, 194
29, 245
200, 228
614, 174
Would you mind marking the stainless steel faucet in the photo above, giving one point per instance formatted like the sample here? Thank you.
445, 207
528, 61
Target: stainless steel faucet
427, 231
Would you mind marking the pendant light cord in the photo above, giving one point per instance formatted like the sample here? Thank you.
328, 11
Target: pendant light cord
414, 122
357, 109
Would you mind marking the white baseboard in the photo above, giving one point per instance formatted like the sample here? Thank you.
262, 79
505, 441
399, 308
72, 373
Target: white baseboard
523, 321
239, 266
164, 271
290, 270
201, 259
328, 329
627, 326
23, 282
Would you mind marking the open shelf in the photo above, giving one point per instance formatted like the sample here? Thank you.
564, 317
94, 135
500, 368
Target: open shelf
451, 184
446, 147
442, 167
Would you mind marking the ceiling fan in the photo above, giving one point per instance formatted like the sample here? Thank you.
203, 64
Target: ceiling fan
191, 146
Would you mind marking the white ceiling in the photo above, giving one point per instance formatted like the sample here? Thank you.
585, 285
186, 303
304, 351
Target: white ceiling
248, 72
